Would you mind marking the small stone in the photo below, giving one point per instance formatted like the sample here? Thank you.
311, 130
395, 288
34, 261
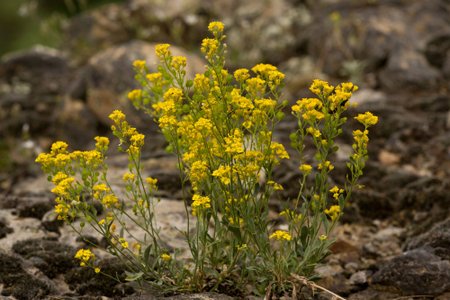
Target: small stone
358, 278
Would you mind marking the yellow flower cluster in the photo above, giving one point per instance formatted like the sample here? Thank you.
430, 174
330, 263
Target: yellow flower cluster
336, 192
367, 119
151, 182
326, 165
200, 203
166, 257
209, 47
216, 27
321, 88
281, 235
334, 212
305, 168
139, 64
162, 51
135, 95
85, 256
241, 75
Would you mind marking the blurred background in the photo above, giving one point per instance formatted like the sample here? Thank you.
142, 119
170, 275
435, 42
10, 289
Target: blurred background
66, 64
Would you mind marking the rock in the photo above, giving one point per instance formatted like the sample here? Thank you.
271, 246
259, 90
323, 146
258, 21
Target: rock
437, 50
31, 83
51, 257
407, 69
261, 31
388, 158
85, 282
201, 296
4, 229
358, 278
388, 37
51, 223
437, 238
17, 283
415, 272
34, 207
373, 294
96, 30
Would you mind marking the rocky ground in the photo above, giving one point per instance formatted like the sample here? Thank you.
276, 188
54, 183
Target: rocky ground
394, 240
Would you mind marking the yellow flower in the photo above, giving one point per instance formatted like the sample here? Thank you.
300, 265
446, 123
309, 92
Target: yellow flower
203, 124
323, 237
173, 94
276, 186
135, 94
305, 168
154, 77
234, 142
281, 235
128, 177
320, 87
84, 255
137, 246
110, 200
102, 143
209, 47
117, 116
97, 270
162, 50
200, 203
178, 62
223, 173
59, 177
166, 257
314, 132
139, 64
216, 27
255, 86
279, 149
151, 182
325, 165
336, 192
63, 187
201, 83
137, 140
334, 211
367, 119
59, 147
123, 243
241, 75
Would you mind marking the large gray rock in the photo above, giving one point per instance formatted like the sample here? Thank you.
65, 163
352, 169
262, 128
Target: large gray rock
415, 272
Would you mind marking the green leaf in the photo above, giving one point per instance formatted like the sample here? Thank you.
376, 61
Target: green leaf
133, 276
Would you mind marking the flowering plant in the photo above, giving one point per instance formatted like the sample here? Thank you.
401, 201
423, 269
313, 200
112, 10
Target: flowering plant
220, 127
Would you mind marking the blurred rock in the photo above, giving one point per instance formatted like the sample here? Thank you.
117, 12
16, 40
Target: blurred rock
31, 85
17, 283
261, 31
408, 69
415, 272
96, 30
437, 238
4, 229
85, 282
51, 257
388, 36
